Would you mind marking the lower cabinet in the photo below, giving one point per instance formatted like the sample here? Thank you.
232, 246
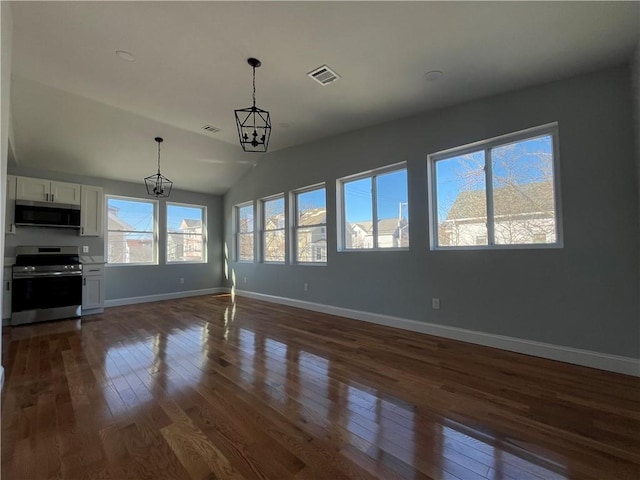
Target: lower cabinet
6, 293
92, 289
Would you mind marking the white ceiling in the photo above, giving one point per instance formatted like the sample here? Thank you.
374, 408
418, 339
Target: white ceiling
77, 107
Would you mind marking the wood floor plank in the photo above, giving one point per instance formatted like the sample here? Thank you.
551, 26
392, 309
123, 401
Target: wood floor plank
208, 387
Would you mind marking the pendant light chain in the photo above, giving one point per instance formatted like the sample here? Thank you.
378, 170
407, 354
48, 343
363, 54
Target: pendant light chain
254, 87
158, 158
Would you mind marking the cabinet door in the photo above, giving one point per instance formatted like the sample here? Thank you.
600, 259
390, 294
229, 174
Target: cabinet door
34, 189
91, 209
62, 192
6, 293
92, 292
10, 211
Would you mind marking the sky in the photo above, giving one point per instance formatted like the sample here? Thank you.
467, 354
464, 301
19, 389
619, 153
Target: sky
139, 214
391, 193
522, 162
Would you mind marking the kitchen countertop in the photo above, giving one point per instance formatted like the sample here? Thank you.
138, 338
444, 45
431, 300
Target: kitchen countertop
92, 259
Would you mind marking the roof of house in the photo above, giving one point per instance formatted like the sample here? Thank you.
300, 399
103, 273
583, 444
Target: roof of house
386, 226
190, 223
313, 216
114, 222
522, 199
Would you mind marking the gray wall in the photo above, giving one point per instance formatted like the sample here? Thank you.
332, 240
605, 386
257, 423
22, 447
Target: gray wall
6, 29
134, 281
635, 65
584, 295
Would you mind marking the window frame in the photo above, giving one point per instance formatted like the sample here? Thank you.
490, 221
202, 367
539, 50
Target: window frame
549, 129
263, 230
238, 234
155, 232
204, 234
342, 214
295, 226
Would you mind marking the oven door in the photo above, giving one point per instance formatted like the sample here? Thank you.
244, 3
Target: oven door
45, 296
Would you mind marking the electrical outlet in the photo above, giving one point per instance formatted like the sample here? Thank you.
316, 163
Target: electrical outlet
435, 303
181, 280
85, 249
306, 287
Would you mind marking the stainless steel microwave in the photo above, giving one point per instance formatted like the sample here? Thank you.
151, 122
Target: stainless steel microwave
46, 214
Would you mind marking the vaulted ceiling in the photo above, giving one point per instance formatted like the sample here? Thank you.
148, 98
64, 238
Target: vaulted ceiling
79, 108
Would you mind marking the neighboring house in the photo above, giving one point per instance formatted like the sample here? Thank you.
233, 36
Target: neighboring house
140, 250
117, 249
186, 243
523, 214
392, 233
312, 240
274, 238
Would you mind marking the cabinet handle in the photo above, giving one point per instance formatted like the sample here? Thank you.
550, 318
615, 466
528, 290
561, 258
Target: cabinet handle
81, 230
8, 286
47, 196
84, 282
52, 197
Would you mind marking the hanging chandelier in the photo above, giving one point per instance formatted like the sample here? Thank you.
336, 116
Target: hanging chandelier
158, 185
254, 124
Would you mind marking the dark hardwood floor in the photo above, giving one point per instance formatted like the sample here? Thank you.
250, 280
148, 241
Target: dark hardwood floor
204, 388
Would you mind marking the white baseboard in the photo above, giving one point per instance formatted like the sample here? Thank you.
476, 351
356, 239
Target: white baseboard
587, 358
118, 302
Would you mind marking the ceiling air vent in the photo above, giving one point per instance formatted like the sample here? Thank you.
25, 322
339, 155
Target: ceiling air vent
211, 128
323, 75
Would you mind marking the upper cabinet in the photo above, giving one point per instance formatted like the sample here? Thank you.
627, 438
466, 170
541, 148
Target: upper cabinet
91, 208
40, 190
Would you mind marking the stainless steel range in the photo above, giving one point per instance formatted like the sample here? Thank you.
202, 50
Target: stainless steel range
47, 284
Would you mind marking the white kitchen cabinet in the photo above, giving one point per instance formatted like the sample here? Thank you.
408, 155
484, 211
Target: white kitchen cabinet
10, 212
6, 293
40, 190
91, 211
68, 193
92, 289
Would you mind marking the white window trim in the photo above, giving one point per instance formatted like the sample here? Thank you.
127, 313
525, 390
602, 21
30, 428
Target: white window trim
295, 227
486, 145
204, 234
263, 230
154, 233
238, 233
342, 214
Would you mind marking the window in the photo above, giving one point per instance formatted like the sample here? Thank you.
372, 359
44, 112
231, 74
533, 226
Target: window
273, 234
375, 212
186, 233
498, 193
131, 231
244, 233
310, 225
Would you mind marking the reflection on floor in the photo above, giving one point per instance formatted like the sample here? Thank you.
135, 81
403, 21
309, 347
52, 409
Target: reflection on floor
206, 387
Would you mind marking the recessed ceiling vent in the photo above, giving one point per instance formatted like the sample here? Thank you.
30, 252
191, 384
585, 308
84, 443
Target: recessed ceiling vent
324, 75
211, 128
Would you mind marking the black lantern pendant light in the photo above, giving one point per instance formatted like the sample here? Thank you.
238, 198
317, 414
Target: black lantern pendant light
158, 185
254, 124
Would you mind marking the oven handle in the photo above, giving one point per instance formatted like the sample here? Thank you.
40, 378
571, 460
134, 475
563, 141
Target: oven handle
46, 274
